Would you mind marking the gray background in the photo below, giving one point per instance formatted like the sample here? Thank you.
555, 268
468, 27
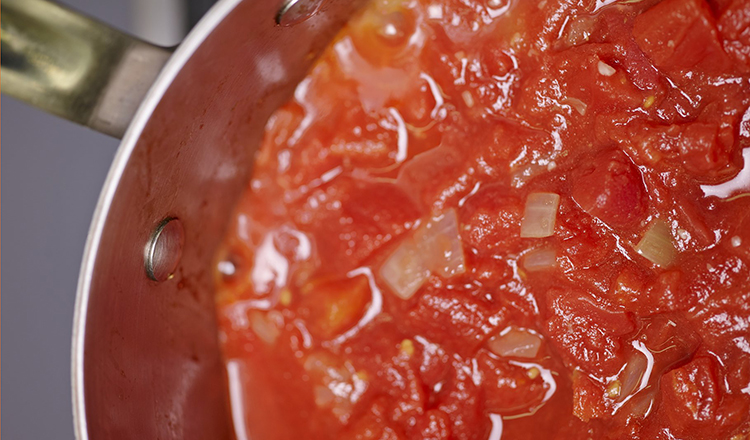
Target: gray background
52, 172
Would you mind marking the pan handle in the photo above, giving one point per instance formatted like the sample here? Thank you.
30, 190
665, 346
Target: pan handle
73, 66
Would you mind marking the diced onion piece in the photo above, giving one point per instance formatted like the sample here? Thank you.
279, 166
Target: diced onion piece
577, 105
539, 215
323, 396
642, 404
323, 364
264, 328
656, 244
736, 241
516, 342
434, 247
405, 270
605, 69
632, 375
468, 98
440, 245
435, 12
539, 259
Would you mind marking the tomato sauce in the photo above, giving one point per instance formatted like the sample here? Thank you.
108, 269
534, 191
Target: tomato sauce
501, 219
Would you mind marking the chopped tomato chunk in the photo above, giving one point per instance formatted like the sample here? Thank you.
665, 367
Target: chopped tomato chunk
587, 331
611, 188
680, 35
695, 400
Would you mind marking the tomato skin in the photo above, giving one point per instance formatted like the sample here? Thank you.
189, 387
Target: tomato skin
426, 175
587, 398
341, 225
453, 320
611, 188
642, 292
434, 425
731, 304
734, 26
492, 219
680, 35
461, 398
373, 426
587, 331
696, 404
331, 307
703, 150
508, 388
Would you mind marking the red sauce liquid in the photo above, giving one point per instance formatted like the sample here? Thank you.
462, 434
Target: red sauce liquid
343, 316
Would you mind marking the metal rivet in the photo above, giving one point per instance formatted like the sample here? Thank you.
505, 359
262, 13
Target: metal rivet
297, 11
164, 249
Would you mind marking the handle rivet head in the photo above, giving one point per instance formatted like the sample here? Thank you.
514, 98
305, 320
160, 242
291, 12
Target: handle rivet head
164, 249
296, 11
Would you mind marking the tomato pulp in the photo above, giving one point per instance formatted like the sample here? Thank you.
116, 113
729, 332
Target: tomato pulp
486, 219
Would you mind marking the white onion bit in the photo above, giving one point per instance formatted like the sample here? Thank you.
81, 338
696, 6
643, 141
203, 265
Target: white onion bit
435, 12
323, 396
632, 375
468, 98
516, 342
440, 244
539, 215
539, 259
656, 244
605, 69
405, 271
434, 247
264, 328
577, 105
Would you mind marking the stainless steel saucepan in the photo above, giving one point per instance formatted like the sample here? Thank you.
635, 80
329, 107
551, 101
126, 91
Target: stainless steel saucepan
146, 361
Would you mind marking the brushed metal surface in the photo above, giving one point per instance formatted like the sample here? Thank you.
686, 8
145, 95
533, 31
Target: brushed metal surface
146, 361
73, 66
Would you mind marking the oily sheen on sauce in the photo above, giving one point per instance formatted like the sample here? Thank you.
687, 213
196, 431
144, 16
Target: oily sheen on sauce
501, 219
